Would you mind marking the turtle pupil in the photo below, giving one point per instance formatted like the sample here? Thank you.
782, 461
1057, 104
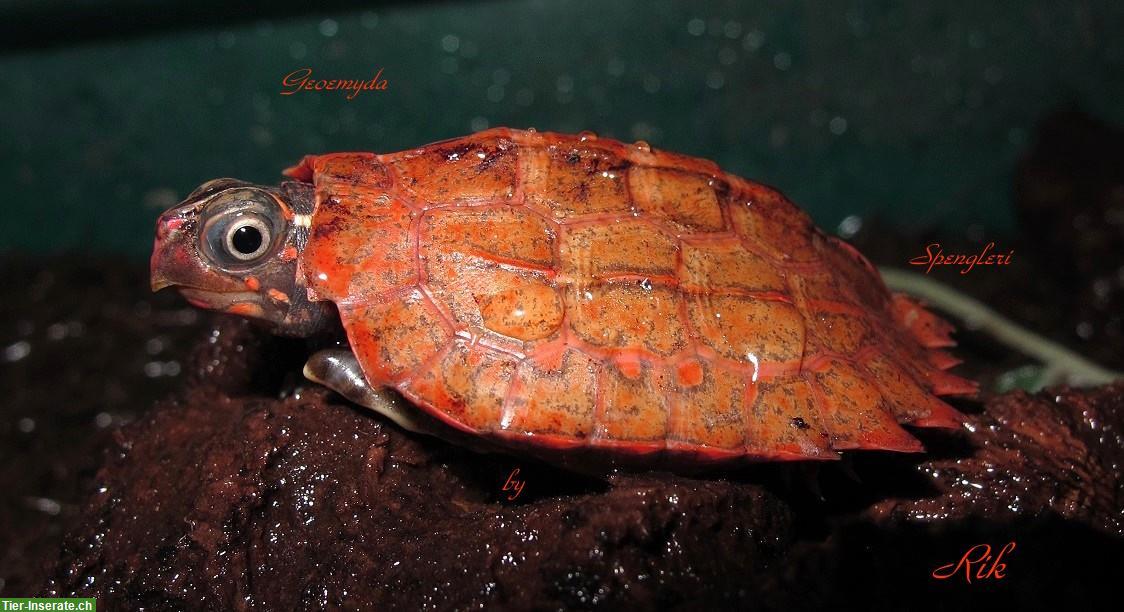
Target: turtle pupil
246, 239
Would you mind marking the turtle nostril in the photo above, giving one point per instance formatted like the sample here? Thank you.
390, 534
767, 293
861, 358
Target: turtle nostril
165, 227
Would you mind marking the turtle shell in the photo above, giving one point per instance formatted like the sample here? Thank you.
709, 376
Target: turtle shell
565, 292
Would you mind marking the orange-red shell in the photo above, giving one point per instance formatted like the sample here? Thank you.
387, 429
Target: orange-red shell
563, 292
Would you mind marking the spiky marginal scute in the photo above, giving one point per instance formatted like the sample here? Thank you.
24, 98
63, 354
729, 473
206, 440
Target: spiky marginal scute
560, 292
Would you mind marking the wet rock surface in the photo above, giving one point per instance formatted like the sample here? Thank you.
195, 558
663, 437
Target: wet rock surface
307, 503
85, 349
1059, 452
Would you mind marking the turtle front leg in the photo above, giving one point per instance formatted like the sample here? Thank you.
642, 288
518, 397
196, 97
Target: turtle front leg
338, 369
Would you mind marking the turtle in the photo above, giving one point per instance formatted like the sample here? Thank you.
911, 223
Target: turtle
556, 294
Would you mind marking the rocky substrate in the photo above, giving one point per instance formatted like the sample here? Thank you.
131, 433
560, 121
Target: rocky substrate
228, 496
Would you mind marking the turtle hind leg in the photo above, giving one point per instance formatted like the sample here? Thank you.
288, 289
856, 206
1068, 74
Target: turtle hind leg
338, 369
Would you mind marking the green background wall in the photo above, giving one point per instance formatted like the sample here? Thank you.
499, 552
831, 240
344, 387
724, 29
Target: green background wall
912, 111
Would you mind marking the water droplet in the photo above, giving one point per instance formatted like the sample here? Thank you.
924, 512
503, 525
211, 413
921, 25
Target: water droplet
565, 84
56, 331
782, 61
849, 226
45, 505
753, 40
642, 146
17, 351
329, 28
450, 43
587, 136
1085, 330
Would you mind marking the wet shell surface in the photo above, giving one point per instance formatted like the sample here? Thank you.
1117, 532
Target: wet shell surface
560, 292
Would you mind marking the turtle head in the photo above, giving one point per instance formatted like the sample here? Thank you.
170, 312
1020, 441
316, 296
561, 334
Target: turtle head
234, 247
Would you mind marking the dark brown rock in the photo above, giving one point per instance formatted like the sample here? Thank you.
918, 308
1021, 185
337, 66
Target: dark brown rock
1058, 452
84, 348
1039, 475
308, 503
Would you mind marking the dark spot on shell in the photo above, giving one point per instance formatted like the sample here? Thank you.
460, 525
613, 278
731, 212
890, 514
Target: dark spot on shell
582, 194
721, 188
456, 152
326, 229
330, 202
490, 160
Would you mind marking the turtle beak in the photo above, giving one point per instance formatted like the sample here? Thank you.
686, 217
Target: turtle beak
159, 282
169, 230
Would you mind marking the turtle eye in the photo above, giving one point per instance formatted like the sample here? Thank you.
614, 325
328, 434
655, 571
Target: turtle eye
240, 230
247, 238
